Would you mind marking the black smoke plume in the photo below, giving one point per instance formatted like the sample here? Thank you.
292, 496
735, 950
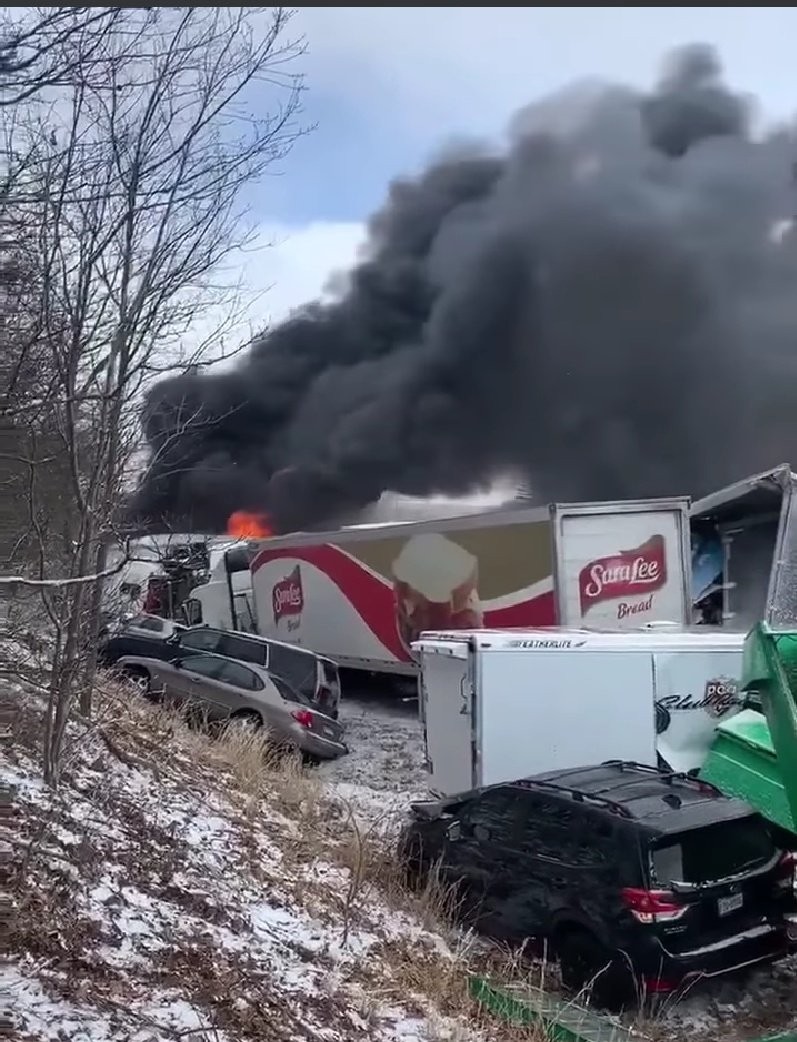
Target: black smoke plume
608, 310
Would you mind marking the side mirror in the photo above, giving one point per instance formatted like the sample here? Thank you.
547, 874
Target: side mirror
177, 663
173, 638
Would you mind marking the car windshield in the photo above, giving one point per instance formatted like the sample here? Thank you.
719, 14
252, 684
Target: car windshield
712, 853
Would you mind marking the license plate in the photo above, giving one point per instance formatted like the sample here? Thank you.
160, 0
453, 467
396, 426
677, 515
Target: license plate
328, 731
726, 905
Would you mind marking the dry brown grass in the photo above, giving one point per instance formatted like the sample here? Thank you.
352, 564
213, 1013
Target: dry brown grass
417, 970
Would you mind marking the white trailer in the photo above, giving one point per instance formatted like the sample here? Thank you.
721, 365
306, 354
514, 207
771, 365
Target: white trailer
498, 705
361, 595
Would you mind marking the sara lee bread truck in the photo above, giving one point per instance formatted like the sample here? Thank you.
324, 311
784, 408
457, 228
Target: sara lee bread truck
361, 595
497, 705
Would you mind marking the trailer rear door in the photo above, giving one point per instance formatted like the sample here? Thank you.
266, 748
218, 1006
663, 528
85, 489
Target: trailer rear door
447, 714
622, 565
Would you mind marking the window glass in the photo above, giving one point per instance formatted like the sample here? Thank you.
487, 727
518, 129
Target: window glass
492, 816
245, 650
202, 640
297, 667
239, 676
204, 665
289, 693
329, 671
712, 853
244, 614
548, 827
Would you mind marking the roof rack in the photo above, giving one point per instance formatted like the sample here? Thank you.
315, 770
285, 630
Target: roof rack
576, 795
668, 777
612, 805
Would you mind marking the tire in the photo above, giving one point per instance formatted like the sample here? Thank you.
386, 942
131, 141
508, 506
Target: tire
247, 720
589, 966
140, 677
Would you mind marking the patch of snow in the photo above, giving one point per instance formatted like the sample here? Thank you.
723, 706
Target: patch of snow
164, 1017
385, 739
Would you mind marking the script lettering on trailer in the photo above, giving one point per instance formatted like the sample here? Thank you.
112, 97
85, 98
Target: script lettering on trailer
287, 597
637, 572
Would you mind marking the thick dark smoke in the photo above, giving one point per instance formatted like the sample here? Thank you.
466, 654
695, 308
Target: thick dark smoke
609, 310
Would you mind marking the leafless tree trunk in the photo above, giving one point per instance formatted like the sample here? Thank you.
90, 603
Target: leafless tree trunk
130, 190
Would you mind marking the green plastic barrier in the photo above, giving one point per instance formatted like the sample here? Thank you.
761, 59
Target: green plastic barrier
559, 1020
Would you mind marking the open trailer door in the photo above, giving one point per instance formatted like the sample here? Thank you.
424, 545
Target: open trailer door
781, 609
447, 711
746, 522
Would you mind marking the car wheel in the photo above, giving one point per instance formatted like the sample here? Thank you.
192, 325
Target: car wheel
587, 965
138, 676
247, 721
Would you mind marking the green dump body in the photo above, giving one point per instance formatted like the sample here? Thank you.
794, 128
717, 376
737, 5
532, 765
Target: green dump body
754, 755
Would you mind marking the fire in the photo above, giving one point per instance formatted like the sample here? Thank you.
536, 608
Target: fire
244, 525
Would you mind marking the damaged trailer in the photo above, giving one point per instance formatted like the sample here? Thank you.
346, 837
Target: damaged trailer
744, 548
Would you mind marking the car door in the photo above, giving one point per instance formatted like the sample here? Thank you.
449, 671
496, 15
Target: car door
192, 682
474, 849
535, 880
230, 689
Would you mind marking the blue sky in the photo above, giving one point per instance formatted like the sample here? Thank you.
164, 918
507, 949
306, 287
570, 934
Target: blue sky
389, 86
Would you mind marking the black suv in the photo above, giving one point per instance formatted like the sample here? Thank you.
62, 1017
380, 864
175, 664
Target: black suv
315, 677
640, 880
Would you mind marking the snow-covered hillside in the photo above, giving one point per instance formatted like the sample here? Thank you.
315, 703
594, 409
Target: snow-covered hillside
182, 888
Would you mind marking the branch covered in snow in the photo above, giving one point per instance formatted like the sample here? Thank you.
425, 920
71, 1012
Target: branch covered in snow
80, 580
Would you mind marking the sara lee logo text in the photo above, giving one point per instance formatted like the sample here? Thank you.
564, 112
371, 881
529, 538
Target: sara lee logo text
287, 598
627, 573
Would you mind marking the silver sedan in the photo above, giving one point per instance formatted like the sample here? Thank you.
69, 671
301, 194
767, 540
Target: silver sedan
224, 690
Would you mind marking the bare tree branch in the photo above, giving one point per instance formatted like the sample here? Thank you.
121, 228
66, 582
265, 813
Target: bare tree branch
132, 140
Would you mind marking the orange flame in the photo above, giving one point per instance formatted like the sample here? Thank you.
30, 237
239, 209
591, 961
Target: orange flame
244, 525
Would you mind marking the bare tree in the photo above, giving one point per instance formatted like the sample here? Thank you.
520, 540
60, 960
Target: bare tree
35, 52
131, 190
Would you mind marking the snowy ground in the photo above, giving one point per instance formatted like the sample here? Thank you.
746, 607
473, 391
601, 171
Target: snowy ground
177, 889
174, 888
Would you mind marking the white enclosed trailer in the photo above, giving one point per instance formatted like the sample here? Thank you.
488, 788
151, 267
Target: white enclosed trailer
499, 705
361, 595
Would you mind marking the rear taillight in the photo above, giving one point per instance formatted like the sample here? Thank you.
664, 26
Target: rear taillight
787, 871
659, 986
653, 906
303, 717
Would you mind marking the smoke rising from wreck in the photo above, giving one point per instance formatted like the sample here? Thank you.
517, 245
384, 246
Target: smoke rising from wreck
607, 310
